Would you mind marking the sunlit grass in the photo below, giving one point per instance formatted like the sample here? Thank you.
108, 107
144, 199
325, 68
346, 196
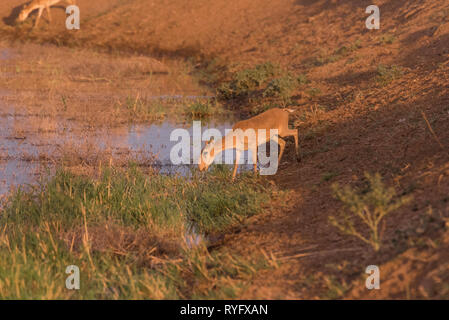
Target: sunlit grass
125, 231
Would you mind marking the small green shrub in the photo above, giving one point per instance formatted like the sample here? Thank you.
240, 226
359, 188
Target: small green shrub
199, 110
264, 83
387, 39
226, 91
246, 81
302, 79
281, 88
335, 288
329, 175
338, 54
386, 74
125, 231
313, 92
369, 207
209, 72
145, 109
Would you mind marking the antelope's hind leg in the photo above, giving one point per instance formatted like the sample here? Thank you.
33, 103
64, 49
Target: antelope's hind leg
237, 159
281, 143
48, 13
47, 7
296, 136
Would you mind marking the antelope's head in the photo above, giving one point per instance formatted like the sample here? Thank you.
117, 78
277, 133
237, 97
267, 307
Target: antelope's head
207, 155
23, 14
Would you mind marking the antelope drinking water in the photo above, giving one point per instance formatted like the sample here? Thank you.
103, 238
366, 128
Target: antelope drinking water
40, 5
272, 119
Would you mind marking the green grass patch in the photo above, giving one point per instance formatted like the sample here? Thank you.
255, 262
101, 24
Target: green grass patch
387, 39
344, 51
281, 88
302, 79
199, 110
263, 85
145, 109
327, 176
314, 92
386, 74
125, 231
244, 82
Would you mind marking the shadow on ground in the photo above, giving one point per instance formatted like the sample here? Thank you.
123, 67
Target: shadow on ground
11, 19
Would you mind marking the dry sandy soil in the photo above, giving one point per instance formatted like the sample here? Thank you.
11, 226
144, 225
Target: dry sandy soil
349, 122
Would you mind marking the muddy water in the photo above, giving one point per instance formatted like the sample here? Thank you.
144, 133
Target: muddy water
31, 145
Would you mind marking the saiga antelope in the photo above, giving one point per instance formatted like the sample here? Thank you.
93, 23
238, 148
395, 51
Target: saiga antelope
272, 119
40, 5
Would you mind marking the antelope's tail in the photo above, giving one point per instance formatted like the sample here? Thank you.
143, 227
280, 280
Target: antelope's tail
289, 110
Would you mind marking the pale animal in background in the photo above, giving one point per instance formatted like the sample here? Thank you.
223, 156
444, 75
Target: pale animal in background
39, 5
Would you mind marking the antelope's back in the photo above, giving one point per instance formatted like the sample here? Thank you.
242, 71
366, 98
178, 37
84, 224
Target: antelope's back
270, 119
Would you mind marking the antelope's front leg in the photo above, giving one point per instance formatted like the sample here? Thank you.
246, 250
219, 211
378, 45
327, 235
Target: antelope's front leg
254, 154
48, 13
237, 159
39, 14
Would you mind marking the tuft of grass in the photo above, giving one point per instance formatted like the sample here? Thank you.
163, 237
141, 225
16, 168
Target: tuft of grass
265, 82
216, 275
335, 288
313, 92
387, 39
64, 103
210, 72
302, 79
327, 176
144, 109
125, 231
368, 207
336, 55
199, 110
282, 88
386, 74
313, 115
246, 81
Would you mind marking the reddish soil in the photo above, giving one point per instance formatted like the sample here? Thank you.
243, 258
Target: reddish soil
351, 125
